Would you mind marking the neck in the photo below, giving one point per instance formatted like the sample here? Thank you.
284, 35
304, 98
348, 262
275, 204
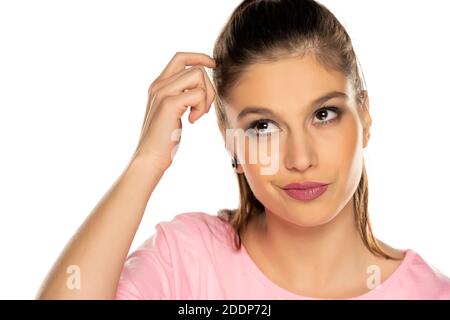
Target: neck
316, 257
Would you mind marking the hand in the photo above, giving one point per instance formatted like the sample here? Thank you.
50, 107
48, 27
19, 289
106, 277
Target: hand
170, 94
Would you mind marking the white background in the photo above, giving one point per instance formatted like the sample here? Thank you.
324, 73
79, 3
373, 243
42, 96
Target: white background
73, 90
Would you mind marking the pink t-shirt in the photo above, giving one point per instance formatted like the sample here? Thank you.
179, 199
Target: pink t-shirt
192, 257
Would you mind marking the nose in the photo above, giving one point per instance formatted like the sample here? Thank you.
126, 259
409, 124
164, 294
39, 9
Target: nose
299, 152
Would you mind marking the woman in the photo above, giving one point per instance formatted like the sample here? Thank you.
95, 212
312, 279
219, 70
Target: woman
286, 76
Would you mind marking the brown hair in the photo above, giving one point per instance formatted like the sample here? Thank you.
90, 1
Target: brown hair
265, 31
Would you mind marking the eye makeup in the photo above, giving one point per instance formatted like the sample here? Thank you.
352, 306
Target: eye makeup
253, 126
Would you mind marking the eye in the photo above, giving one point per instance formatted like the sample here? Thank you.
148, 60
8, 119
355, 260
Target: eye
324, 115
257, 127
262, 127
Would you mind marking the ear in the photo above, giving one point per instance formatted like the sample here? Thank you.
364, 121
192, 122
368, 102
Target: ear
365, 118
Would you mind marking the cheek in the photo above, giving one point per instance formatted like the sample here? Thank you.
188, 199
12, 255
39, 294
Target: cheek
341, 148
260, 154
347, 156
256, 180
255, 167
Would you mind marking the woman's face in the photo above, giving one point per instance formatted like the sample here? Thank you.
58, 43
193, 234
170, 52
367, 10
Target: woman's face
304, 138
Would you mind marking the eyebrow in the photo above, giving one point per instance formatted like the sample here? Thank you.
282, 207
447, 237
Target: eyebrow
267, 111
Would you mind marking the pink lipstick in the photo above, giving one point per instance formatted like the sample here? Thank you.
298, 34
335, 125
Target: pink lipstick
305, 191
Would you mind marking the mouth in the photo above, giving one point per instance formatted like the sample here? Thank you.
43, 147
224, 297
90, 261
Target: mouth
305, 191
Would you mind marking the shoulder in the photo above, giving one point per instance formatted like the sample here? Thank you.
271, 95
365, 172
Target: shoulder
194, 232
195, 220
176, 258
426, 278
196, 228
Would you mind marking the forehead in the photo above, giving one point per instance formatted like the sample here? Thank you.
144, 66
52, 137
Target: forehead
289, 81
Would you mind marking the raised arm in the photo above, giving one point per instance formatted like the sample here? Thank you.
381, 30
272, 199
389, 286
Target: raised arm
98, 250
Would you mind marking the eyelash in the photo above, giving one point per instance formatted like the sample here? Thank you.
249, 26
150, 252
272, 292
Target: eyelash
336, 110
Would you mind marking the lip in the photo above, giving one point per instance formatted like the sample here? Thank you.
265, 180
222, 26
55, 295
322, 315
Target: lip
305, 191
304, 185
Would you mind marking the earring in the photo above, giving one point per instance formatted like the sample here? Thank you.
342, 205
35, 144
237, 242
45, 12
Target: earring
234, 163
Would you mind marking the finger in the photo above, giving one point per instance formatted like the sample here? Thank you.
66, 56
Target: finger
194, 98
208, 85
178, 104
210, 90
187, 80
182, 59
